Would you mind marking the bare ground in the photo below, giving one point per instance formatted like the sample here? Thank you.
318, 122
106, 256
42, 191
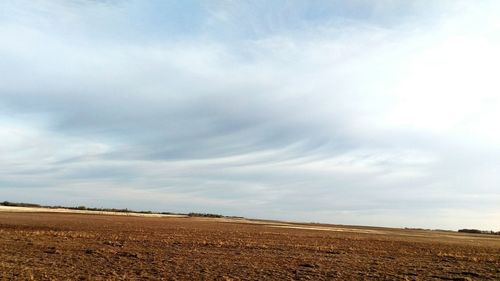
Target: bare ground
66, 246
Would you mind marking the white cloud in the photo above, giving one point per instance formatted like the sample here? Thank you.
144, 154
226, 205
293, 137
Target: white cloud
351, 120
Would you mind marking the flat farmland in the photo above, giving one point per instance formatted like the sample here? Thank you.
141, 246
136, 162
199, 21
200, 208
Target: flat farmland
66, 246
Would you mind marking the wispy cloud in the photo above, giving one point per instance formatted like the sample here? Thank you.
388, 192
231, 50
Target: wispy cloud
351, 112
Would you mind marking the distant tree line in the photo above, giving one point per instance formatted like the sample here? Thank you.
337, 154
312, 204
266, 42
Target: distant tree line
477, 231
83, 208
13, 204
205, 215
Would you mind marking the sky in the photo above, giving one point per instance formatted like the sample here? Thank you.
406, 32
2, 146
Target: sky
351, 112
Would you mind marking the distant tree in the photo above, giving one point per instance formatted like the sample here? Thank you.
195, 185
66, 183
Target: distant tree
477, 231
205, 215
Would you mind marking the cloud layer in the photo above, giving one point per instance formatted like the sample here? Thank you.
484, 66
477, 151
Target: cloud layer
359, 113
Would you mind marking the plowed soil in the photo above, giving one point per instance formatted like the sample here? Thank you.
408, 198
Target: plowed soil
44, 246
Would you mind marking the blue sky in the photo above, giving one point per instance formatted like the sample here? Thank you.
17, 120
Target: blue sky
353, 112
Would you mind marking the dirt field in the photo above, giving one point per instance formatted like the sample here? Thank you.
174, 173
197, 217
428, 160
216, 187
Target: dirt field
59, 246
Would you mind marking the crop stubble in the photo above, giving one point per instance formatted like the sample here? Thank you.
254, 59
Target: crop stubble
42, 246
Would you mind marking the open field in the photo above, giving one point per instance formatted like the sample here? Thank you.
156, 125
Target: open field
76, 246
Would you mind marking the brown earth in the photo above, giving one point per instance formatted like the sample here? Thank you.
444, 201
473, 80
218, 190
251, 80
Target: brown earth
43, 246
